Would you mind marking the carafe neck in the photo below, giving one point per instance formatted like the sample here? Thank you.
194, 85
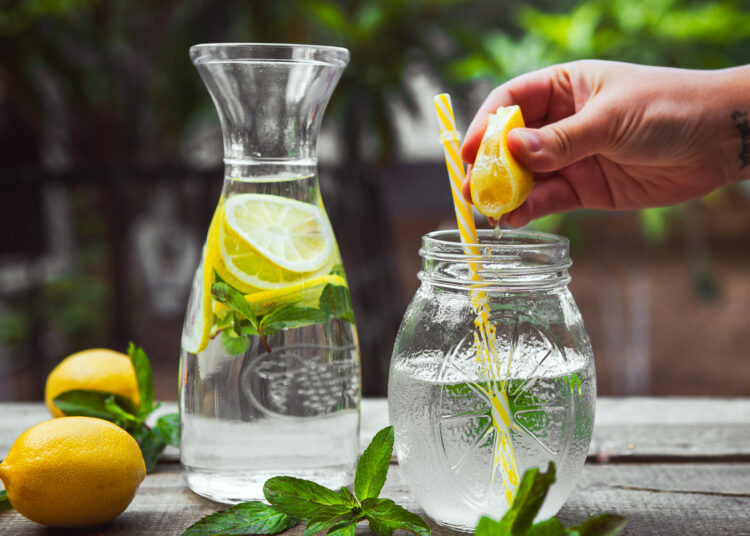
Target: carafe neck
270, 99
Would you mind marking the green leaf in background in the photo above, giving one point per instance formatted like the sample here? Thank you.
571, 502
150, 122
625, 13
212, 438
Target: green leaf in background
297, 497
328, 516
348, 528
4, 502
336, 303
291, 316
85, 403
246, 518
528, 500
168, 427
128, 419
550, 527
601, 525
373, 465
234, 344
348, 498
142, 368
489, 527
152, 445
385, 516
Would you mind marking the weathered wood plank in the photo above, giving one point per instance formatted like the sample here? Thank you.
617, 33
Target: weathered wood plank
680, 428
666, 499
634, 428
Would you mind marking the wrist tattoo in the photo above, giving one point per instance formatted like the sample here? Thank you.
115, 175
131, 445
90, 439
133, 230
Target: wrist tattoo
743, 127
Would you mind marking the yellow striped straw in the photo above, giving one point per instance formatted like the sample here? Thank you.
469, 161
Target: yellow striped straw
485, 339
449, 137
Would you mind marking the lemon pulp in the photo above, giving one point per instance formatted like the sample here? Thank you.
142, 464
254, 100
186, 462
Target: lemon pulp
499, 183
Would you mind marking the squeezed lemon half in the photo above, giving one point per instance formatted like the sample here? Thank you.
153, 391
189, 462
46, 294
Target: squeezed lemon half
499, 183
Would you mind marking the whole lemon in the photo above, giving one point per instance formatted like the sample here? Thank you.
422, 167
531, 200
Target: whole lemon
72, 472
97, 369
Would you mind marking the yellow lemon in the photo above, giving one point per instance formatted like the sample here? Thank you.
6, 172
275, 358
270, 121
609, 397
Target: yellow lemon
199, 315
73, 472
97, 369
499, 183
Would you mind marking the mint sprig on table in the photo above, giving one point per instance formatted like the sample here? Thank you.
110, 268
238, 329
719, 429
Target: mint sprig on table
294, 500
4, 502
125, 414
519, 519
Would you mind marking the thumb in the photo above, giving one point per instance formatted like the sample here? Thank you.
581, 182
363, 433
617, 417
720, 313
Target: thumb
559, 144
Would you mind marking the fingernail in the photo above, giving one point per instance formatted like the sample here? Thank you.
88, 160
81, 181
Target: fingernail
529, 140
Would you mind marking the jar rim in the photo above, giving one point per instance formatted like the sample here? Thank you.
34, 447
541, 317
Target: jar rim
449, 240
528, 259
269, 52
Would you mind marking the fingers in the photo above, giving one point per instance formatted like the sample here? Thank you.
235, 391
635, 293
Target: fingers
560, 144
550, 196
466, 186
531, 91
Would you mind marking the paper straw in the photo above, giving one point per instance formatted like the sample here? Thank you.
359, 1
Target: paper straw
485, 340
449, 137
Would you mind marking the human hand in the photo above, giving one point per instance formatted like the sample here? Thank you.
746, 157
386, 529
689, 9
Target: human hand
619, 136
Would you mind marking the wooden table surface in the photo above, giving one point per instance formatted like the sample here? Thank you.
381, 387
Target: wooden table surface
672, 466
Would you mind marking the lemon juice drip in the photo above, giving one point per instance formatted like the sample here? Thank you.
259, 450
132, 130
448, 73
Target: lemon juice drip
498, 232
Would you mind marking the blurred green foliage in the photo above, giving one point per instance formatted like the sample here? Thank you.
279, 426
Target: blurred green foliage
114, 75
677, 33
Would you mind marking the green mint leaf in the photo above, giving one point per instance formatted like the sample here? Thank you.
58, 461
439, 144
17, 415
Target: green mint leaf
152, 445
252, 517
489, 527
348, 498
168, 427
85, 403
291, 316
234, 344
224, 319
244, 328
336, 303
528, 500
233, 299
550, 527
385, 516
4, 502
142, 368
347, 528
373, 465
601, 525
298, 498
110, 403
328, 516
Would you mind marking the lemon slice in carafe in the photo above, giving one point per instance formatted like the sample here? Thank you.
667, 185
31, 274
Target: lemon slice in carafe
270, 242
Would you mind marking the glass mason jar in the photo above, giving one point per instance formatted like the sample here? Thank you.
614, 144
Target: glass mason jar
492, 373
269, 369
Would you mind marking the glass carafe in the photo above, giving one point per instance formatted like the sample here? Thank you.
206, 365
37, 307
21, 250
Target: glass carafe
269, 372
492, 373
